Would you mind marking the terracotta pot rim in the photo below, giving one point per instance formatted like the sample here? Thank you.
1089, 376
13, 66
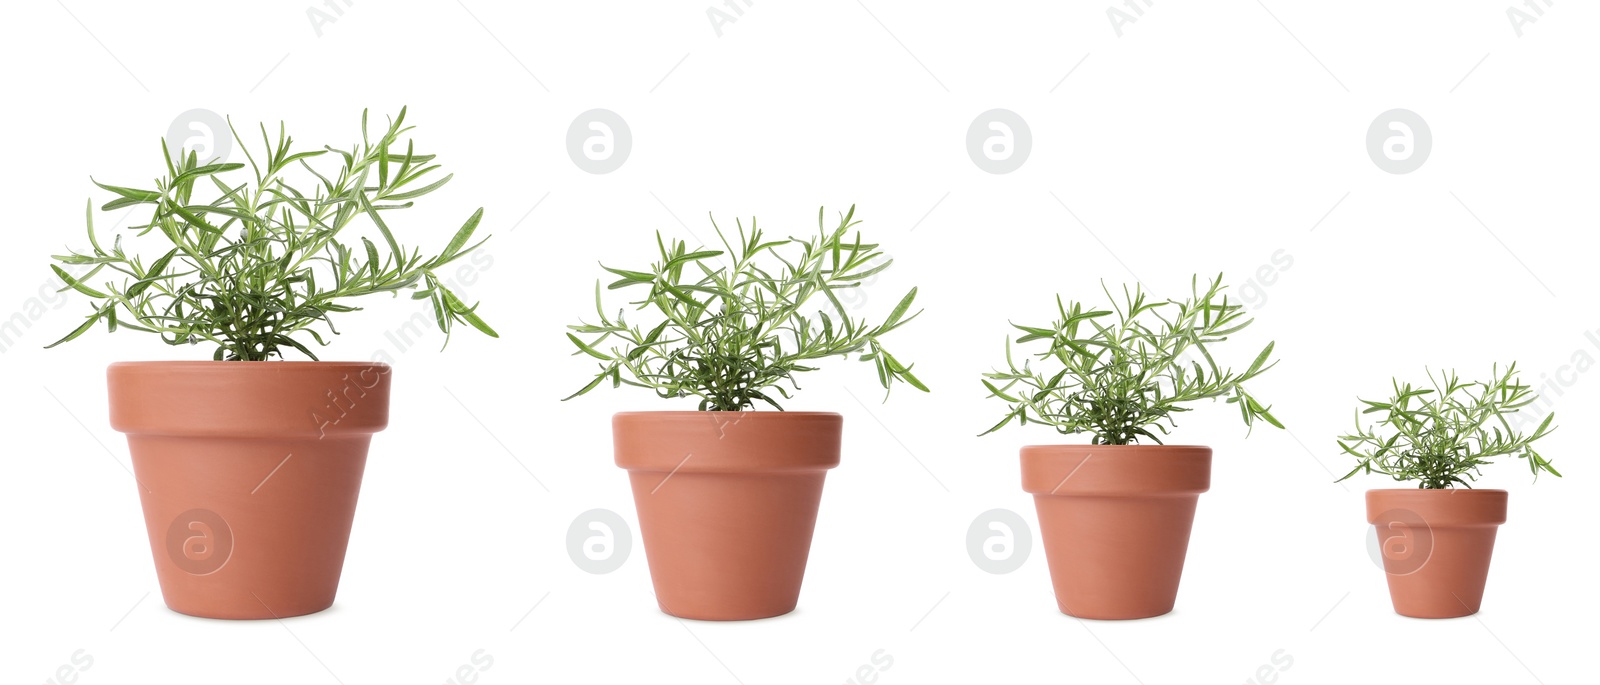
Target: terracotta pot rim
212, 363
1444, 490
1116, 448
1135, 445
1438, 508
1126, 471
289, 400
759, 412
687, 442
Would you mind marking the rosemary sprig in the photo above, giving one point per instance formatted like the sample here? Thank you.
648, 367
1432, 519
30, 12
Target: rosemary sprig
1118, 381
731, 335
1443, 434
261, 262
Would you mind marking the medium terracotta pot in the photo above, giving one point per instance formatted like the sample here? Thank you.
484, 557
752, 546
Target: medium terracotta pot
1436, 546
727, 503
1115, 522
248, 472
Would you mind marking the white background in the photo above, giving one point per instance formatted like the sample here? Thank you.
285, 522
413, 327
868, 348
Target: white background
1206, 138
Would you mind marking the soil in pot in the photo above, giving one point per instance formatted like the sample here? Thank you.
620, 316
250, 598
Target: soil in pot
727, 504
1115, 522
1436, 546
248, 473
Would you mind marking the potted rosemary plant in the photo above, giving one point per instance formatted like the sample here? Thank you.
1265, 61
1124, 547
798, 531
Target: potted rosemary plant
727, 496
1115, 514
249, 466
1436, 539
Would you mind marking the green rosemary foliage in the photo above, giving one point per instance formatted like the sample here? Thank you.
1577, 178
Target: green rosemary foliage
1118, 381
1443, 434
261, 261
733, 334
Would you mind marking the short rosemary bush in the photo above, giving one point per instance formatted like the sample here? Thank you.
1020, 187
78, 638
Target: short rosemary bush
1120, 378
256, 263
734, 326
1439, 436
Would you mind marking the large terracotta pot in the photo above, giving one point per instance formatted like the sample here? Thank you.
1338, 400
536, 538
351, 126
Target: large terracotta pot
1436, 546
248, 473
1115, 522
727, 502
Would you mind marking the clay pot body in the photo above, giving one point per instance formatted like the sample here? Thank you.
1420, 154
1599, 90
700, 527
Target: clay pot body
1115, 522
1436, 546
727, 503
248, 473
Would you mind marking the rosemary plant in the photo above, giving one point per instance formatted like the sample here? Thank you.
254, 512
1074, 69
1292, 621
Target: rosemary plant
733, 334
1118, 381
261, 262
1443, 434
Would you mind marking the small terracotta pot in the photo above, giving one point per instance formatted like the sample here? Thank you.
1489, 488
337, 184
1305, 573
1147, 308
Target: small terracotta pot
248, 473
727, 503
1436, 546
1115, 522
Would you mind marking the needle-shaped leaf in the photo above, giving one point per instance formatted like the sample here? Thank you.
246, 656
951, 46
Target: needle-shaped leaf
153, 274
467, 314
462, 235
130, 193
76, 284
419, 192
80, 330
587, 349
383, 228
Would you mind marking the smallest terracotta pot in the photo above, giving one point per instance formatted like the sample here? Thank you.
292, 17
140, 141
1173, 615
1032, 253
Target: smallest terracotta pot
1436, 546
